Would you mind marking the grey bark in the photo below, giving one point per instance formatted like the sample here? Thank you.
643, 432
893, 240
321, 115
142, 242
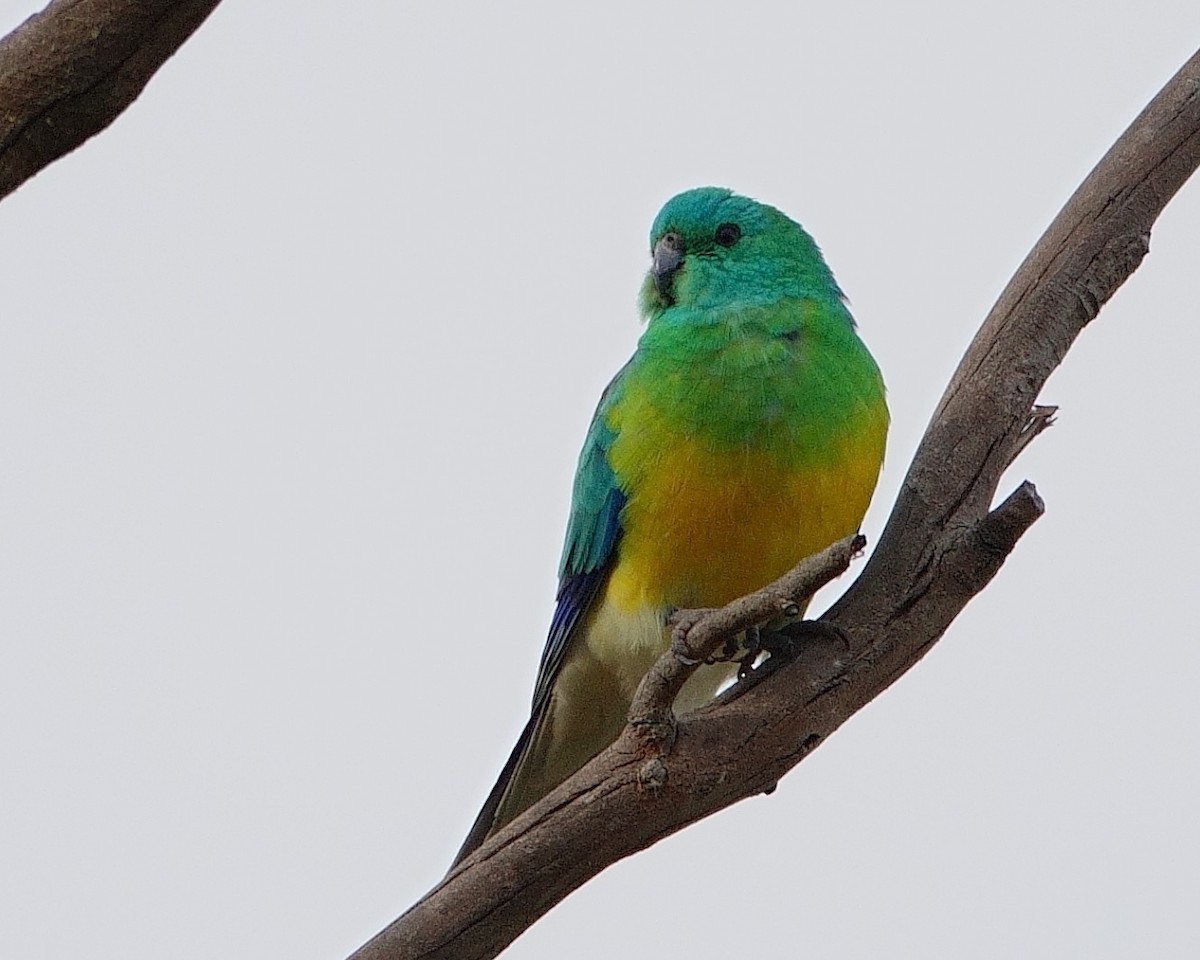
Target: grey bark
67, 72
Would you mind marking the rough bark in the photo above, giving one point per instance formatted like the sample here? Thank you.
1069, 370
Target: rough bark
66, 73
941, 546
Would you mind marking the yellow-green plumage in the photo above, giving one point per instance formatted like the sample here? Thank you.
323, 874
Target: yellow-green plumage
746, 433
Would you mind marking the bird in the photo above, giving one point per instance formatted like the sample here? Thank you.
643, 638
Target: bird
746, 432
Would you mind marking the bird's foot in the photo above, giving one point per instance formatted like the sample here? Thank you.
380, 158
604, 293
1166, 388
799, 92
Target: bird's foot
780, 641
734, 650
681, 623
783, 644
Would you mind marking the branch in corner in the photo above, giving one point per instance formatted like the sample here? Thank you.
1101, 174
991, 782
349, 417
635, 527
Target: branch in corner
69, 71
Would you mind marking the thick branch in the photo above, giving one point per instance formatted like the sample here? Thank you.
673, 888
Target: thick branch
941, 546
66, 73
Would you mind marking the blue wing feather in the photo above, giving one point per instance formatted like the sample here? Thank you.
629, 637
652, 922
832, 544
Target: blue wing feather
592, 535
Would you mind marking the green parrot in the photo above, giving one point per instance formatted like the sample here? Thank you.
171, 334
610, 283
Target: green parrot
746, 433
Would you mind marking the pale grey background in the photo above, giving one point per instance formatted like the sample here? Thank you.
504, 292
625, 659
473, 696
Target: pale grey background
295, 361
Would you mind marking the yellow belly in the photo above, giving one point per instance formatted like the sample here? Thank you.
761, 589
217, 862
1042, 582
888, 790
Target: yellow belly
701, 530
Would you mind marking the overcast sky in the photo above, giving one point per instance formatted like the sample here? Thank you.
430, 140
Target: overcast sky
295, 363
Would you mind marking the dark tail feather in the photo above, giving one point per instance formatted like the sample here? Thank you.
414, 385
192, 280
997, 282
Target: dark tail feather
486, 821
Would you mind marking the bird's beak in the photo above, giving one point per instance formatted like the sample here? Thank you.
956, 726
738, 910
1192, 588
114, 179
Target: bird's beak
668, 257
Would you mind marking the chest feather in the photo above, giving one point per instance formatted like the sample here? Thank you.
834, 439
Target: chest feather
704, 525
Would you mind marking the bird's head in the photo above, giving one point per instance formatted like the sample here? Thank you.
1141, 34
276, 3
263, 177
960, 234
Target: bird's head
712, 248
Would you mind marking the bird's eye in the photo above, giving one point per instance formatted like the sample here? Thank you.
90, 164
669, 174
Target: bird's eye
728, 234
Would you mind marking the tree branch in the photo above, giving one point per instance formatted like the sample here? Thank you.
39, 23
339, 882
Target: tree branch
698, 637
941, 546
66, 73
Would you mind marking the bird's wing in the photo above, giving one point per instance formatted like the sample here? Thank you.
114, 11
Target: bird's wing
592, 535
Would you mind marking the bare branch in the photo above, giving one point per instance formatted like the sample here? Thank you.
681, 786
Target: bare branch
941, 546
66, 73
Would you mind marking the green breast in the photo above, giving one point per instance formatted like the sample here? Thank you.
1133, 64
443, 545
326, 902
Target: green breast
789, 381
741, 450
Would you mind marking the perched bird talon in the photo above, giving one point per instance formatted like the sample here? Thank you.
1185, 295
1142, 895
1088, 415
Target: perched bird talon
746, 433
820, 630
682, 622
784, 644
790, 609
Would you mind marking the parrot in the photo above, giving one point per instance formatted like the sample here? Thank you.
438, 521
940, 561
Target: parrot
746, 432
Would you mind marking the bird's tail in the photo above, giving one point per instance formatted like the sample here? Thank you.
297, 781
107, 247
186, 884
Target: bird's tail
512, 793
560, 737
487, 816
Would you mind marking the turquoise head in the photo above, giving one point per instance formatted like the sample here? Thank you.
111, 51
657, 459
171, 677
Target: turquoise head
712, 248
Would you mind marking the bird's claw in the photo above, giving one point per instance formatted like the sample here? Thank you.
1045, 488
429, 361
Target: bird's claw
783, 645
780, 641
753, 644
820, 630
681, 623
